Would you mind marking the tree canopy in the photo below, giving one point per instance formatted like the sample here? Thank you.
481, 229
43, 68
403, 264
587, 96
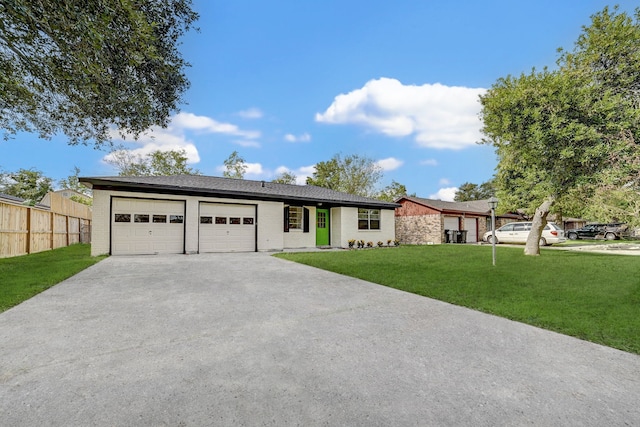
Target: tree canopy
469, 191
28, 184
83, 68
352, 174
393, 191
285, 177
234, 166
569, 132
156, 163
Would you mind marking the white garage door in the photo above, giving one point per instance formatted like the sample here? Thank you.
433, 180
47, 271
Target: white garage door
471, 225
451, 223
146, 226
227, 228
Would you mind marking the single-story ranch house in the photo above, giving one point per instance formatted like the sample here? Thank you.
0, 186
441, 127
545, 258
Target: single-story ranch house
197, 214
425, 221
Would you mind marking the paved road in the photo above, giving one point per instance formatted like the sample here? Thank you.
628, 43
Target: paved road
251, 340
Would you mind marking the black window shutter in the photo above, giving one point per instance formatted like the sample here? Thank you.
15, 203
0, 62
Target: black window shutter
306, 220
286, 219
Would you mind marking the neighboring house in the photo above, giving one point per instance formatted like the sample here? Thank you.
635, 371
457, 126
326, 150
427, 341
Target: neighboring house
196, 214
66, 193
425, 221
13, 200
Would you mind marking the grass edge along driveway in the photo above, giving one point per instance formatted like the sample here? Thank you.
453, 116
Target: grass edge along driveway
24, 276
594, 297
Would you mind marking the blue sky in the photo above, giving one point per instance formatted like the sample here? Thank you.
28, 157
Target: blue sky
290, 83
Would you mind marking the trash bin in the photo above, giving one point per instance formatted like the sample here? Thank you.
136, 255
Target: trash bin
447, 236
463, 236
452, 236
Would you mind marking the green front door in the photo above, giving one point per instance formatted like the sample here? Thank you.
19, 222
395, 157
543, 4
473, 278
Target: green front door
322, 227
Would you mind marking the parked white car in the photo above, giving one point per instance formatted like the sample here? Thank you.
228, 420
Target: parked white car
517, 232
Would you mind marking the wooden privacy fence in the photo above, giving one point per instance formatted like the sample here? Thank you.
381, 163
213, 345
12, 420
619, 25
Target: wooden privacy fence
30, 229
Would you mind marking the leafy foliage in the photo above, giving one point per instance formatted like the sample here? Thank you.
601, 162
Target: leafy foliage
235, 166
570, 132
285, 177
156, 163
469, 191
72, 182
352, 174
393, 191
81, 68
28, 184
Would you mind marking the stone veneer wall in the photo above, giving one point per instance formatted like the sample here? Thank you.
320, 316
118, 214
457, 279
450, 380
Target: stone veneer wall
419, 229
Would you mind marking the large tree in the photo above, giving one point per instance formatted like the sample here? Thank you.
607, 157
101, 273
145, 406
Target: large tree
393, 192
156, 163
285, 177
81, 68
469, 191
72, 182
28, 184
235, 166
352, 174
559, 133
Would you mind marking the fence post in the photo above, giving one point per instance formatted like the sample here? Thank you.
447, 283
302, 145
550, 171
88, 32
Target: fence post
52, 225
29, 236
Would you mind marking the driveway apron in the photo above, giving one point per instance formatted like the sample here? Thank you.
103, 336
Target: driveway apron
253, 340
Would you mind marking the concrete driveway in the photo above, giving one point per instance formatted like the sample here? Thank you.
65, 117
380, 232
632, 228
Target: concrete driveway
249, 339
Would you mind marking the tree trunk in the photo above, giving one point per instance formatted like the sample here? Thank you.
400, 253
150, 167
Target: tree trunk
537, 225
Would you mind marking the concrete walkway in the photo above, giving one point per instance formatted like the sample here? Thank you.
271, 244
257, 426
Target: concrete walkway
252, 340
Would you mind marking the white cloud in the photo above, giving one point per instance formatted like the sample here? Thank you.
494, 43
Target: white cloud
208, 125
301, 173
437, 116
305, 137
159, 139
190, 150
174, 137
429, 162
247, 143
251, 113
444, 181
389, 164
251, 169
254, 169
445, 194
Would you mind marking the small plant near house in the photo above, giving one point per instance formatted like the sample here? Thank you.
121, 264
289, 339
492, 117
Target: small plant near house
396, 242
351, 243
380, 243
389, 242
369, 244
360, 244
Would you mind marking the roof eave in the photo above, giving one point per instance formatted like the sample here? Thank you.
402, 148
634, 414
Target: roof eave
109, 184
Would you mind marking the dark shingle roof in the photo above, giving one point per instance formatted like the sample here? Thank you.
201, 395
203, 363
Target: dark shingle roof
233, 188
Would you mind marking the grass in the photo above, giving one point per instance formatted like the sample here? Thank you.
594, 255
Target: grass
595, 297
25, 276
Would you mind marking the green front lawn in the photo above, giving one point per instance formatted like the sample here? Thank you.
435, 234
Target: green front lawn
590, 296
25, 276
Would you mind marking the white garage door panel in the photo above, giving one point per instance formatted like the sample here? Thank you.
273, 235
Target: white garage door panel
471, 225
128, 238
450, 223
227, 236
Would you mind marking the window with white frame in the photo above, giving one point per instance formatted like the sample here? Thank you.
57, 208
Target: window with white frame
368, 219
296, 216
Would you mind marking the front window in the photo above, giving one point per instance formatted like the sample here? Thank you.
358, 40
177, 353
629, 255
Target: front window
295, 217
368, 219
